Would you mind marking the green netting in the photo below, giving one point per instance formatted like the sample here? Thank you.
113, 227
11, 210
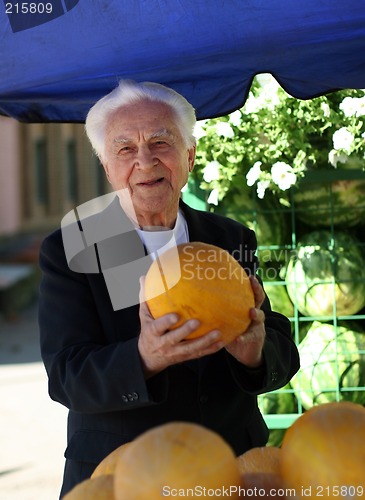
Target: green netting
331, 205
333, 355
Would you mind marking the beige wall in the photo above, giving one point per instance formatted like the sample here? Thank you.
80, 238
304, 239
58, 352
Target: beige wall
45, 171
10, 183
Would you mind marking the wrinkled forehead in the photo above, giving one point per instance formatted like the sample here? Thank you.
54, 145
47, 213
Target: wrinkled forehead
154, 119
162, 133
143, 107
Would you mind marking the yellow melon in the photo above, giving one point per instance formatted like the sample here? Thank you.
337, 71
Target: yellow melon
176, 459
260, 469
323, 452
108, 464
99, 488
260, 459
201, 281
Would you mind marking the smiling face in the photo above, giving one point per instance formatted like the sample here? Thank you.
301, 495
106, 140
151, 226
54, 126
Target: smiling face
145, 153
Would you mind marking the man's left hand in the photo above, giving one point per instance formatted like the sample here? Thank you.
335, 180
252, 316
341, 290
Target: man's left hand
247, 348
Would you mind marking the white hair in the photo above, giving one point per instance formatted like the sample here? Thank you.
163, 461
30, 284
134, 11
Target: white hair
128, 92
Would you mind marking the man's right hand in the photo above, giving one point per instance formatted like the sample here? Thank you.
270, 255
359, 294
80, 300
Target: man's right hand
160, 347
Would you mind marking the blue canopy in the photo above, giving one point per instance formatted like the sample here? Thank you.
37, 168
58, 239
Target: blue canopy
58, 57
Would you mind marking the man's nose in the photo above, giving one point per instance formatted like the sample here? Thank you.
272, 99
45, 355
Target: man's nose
145, 158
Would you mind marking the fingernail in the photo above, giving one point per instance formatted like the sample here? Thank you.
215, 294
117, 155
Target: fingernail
216, 335
193, 324
173, 319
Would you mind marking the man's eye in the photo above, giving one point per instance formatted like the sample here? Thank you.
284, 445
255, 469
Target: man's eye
125, 149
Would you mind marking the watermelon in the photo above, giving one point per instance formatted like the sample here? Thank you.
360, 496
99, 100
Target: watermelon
266, 217
280, 402
326, 276
332, 365
279, 298
341, 203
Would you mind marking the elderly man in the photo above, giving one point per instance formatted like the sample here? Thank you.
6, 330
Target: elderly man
118, 370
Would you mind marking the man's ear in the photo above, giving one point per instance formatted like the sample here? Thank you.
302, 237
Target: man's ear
191, 157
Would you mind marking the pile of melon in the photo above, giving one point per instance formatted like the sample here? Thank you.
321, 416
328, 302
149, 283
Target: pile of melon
322, 455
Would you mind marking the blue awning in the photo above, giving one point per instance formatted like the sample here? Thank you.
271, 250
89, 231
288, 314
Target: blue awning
58, 57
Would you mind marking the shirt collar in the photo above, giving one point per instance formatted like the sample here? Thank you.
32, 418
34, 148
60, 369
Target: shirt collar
163, 240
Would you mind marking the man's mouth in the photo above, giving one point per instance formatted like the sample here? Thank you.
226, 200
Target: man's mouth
152, 182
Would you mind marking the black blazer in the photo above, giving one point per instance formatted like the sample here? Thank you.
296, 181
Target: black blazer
91, 357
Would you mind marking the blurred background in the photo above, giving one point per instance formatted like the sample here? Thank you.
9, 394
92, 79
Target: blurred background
45, 170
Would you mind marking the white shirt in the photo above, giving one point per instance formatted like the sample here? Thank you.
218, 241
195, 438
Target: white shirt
164, 239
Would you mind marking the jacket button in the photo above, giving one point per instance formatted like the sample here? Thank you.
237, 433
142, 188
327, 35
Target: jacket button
132, 396
274, 376
125, 398
203, 399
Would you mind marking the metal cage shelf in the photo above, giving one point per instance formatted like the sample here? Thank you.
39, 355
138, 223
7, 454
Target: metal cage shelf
279, 415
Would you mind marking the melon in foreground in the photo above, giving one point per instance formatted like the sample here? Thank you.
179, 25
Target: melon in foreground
201, 281
323, 452
174, 458
108, 464
260, 459
98, 488
260, 469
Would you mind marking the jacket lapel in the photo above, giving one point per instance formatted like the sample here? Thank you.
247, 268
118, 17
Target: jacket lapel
202, 228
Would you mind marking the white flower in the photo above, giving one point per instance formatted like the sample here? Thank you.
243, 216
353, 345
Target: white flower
343, 139
353, 106
268, 82
265, 79
283, 175
335, 157
269, 90
265, 100
235, 118
261, 188
252, 104
254, 173
199, 131
326, 109
213, 197
224, 129
211, 171
348, 106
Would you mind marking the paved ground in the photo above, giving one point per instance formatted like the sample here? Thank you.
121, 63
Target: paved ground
32, 426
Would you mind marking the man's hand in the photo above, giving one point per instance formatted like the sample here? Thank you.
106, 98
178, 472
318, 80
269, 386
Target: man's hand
247, 348
160, 347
